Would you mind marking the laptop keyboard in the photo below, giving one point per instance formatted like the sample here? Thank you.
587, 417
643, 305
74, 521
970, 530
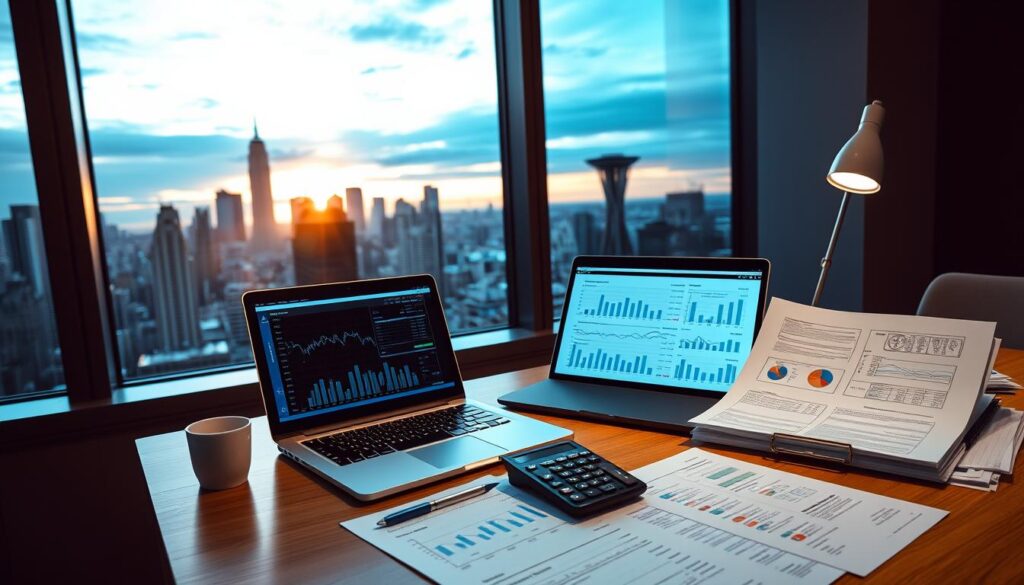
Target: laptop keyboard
357, 445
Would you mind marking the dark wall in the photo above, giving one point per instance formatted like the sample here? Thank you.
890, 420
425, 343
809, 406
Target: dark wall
980, 205
811, 88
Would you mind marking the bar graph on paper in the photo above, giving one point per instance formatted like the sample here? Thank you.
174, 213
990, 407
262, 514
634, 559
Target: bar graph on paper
463, 537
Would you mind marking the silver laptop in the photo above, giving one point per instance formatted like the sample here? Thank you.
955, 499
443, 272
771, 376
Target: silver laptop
361, 387
649, 341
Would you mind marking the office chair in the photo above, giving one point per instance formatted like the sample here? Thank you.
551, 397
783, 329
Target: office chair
980, 297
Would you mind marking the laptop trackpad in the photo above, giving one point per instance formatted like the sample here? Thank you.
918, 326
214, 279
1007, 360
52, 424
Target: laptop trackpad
457, 452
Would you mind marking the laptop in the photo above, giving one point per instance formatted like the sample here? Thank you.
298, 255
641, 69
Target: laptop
361, 387
650, 341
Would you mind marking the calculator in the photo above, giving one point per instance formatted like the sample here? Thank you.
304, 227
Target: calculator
577, 481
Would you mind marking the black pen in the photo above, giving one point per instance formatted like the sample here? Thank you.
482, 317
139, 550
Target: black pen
428, 507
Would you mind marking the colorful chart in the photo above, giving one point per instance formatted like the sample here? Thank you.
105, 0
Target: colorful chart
778, 372
818, 378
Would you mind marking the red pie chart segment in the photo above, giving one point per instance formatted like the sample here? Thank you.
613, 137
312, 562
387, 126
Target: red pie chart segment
820, 378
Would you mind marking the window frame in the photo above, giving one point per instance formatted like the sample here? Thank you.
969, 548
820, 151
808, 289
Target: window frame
58, 134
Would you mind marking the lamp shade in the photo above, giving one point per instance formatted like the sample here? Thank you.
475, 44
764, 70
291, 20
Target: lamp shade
858, 166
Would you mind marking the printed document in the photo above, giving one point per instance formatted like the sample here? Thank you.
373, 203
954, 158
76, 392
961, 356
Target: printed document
507, 537
894, 387
843, 527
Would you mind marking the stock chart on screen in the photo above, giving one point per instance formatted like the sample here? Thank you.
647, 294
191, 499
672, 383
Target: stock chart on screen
682, 328
338, 353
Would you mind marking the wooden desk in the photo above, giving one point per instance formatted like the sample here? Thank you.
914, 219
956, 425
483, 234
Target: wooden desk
282, 526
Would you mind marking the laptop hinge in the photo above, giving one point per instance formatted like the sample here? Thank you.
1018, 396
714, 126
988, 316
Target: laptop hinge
379, 416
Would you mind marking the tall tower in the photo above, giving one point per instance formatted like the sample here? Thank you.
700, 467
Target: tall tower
433, 244
230, 218
324, 247
377, 218
354, 202
264, 227
613, 170
204, 255
174, 293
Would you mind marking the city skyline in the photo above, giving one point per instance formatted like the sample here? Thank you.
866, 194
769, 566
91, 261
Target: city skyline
175, 140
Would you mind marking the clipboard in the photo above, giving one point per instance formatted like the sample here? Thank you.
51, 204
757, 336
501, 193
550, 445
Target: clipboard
784, 444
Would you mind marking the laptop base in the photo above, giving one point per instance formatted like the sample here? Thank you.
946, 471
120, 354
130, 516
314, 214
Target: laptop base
652, 409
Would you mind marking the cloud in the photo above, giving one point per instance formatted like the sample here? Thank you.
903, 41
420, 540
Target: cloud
467, 52
289, 154
11, 87
396, 30
207, 103
555, 50
194, 36
380, 69
100, 41
421, 5
91, 71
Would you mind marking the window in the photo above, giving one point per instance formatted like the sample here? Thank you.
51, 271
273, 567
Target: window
642, 86
29, 350
241, 145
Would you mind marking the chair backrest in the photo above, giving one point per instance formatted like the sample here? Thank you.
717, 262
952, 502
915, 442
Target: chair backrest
980, 297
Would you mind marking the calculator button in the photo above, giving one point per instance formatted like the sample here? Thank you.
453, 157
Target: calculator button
566, 490
619, 474
565, 473
569, 465
608, 487
586, 476
573, 455
555, 468
597, 472
592, 492
590, 467
547, 477
607, 479
572, 478
583, 485
593, 458
561, 459
557, 484
584, 452
548, 463
577, 497
531, 467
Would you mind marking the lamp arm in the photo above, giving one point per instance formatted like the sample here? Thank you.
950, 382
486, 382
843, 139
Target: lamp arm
826, 262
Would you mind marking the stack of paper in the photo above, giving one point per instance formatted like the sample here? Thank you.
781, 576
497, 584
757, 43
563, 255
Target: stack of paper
1001, 384
891, 393
993, 452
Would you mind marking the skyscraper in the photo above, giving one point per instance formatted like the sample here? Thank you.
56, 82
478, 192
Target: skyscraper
335, 202
354, 203
230, 217
204, 255
430, 218
588, 236
23, 236
377, 219
613, 170
324, 247
174, 292
299, 205
264, 227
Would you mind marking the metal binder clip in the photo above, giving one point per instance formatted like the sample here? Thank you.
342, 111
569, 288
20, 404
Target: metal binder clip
841, 447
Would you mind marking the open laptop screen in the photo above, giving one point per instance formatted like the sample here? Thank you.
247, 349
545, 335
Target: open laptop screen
327, 355
676, 328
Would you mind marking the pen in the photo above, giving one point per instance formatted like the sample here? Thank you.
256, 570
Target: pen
428, 507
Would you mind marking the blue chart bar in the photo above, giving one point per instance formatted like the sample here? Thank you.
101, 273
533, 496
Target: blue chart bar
731, 314
699, 343
361, 384
492, 529
691, 373
627, 308
603, 361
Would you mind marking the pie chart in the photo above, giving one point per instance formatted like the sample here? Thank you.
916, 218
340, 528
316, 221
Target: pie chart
819, 378
778, 372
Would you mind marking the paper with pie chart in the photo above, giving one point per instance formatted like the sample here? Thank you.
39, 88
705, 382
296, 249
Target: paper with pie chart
814, 377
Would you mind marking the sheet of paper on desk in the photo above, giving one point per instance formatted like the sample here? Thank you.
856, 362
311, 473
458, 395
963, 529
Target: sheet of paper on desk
996, 447
506, 537
843, 527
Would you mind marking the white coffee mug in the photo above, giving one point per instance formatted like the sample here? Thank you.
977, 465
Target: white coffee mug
221, 451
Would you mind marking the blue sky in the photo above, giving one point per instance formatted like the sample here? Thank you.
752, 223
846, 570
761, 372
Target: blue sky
386, 95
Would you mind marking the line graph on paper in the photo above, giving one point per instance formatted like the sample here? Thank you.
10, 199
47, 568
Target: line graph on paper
874, 366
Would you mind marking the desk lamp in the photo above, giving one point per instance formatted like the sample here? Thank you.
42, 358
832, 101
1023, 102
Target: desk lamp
857, 169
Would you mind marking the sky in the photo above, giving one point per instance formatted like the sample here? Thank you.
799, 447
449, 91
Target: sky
386, 95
